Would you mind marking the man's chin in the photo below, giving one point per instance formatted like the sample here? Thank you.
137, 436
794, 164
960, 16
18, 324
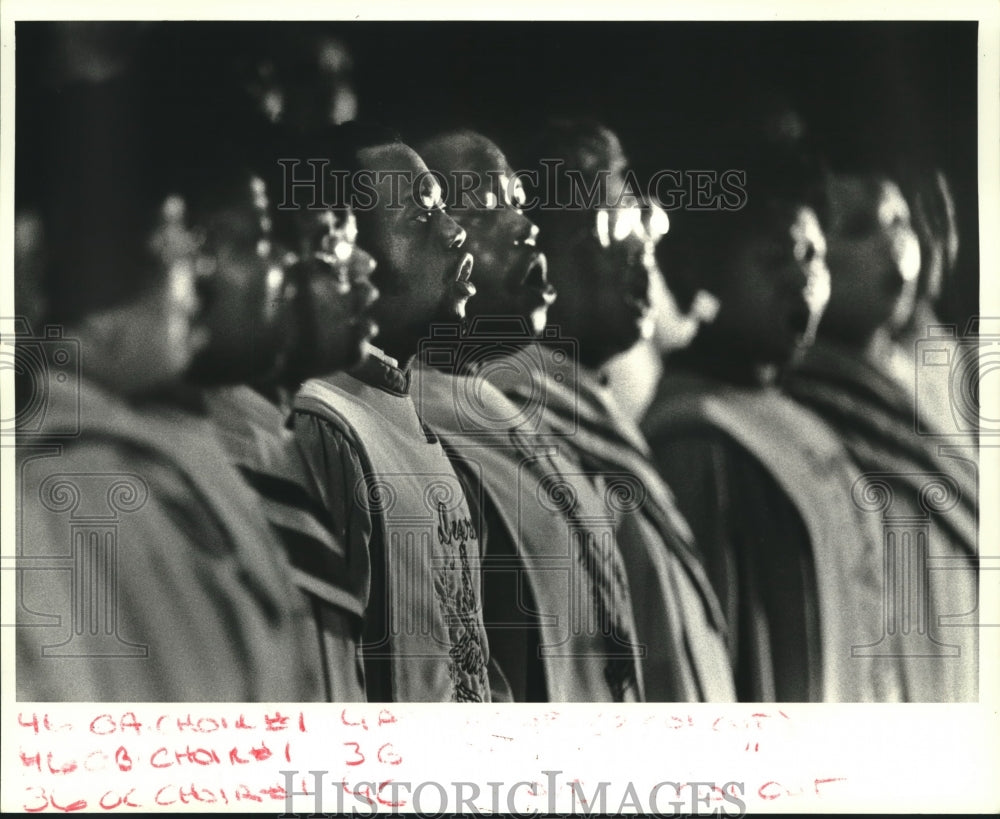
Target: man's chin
359, 353
537, 321
451, 311
458, 310
356, 347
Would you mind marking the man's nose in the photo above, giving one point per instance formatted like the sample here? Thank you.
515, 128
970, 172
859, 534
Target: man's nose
904, 250
528, 234
454, 234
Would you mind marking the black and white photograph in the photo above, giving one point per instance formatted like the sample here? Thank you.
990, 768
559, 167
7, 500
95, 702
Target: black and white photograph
378, 388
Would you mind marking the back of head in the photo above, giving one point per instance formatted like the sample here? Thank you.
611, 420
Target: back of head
347, 142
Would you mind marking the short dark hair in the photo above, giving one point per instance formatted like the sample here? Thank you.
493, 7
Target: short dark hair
582, 145
351, 138
701, 245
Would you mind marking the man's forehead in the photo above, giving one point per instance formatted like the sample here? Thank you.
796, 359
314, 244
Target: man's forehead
491, 158
600, 152
466, 152
393, 156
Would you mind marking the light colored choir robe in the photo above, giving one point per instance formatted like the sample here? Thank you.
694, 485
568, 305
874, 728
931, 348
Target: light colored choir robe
553, 574
678, 619
335, 585
388, 483
768, 489
146, 571
928, 504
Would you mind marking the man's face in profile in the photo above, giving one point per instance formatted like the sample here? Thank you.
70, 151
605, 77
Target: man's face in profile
603, 278
775, 288
874, 258
511, 273
601, 259
331, 295
246, 311
423, 269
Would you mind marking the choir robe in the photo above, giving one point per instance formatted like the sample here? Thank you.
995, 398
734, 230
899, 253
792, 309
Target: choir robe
679, 623
392, 490
255, 433
146, 571
559, 616
930, 505
769, 492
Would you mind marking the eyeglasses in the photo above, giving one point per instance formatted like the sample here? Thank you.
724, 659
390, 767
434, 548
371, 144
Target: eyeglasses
648, 222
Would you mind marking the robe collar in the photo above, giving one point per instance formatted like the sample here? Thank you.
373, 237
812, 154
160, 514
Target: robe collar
383, 372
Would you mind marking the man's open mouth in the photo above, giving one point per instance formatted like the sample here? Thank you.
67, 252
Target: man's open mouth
536, 273
536, 279
463, 275
464, 271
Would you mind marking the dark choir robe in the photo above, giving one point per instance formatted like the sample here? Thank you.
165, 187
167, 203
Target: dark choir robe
559, 616
392, 490
767, 488
931, 509
146, 571
264, 449
678, 620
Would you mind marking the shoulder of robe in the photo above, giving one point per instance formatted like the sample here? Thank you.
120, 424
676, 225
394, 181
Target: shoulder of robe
325, 422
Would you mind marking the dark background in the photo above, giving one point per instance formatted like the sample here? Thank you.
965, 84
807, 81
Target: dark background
901, 93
